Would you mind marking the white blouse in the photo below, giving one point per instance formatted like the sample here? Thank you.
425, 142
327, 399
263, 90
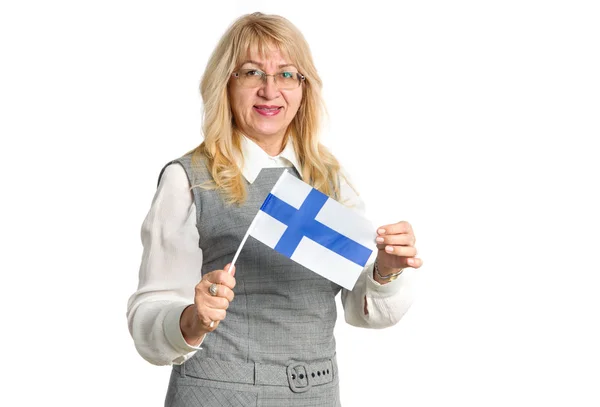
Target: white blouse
171, 260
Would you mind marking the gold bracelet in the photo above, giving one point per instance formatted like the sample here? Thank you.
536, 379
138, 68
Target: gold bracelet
390, 277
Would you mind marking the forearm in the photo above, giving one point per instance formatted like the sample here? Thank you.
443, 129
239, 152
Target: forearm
154, 327
374, 305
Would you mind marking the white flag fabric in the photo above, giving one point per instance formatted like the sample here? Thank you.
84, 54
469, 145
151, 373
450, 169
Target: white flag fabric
315, 231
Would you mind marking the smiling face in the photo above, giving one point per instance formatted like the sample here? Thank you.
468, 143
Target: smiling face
264, 112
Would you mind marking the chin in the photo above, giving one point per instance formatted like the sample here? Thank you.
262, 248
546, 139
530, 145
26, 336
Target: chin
269, 131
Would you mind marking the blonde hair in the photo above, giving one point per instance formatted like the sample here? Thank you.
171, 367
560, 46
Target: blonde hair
222, 143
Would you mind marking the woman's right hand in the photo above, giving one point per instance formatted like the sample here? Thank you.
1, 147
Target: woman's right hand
207, 311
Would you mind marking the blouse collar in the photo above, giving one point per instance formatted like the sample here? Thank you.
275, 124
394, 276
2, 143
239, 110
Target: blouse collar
255, 158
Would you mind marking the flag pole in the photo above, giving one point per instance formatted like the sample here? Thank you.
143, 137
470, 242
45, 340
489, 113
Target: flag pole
237, 253
251, 227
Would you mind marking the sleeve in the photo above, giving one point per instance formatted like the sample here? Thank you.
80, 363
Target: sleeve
370, 304
169, 271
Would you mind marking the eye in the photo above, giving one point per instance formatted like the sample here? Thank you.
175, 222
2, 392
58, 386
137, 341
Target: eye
253, 72
287, 75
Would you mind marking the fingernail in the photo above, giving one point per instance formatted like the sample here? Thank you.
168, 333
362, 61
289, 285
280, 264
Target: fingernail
381, 231
389, 249
411, 261
379, 239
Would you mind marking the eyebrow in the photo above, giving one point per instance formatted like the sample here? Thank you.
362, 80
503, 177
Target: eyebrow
261, 65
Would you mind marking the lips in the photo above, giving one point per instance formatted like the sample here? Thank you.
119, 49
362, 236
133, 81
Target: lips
268, 110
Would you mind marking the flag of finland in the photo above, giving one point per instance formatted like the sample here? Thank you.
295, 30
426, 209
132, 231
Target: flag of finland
314, 230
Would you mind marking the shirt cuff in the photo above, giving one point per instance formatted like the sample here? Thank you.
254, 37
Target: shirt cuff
173, 333
388, 289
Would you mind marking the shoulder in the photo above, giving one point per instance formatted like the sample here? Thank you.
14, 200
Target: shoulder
189, 168
173, 174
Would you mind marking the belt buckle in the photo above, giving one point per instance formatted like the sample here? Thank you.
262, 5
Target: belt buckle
297, 375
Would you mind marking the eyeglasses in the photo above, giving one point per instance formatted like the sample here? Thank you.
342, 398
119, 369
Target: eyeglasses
253, 78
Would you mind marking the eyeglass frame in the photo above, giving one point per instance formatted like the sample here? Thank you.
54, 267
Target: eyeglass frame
301, 78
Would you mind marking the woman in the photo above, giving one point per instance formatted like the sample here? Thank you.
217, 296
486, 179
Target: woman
262, 335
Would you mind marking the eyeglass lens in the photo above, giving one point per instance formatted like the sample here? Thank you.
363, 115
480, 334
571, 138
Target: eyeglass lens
254, 78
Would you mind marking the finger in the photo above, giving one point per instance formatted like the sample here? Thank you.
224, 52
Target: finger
220, 277
208, 315
406, 262
222, 291
211, 325
217, 315
395, 228
414, 262
384, 247
403, 251
400, 240
230, 269
226, 293
203, 287
216, 302
203, 294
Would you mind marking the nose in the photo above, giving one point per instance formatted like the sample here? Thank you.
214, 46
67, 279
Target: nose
269, 89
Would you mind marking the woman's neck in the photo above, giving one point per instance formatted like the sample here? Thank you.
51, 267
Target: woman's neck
272, 146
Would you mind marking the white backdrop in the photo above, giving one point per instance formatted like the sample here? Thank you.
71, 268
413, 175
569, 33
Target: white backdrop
473, 120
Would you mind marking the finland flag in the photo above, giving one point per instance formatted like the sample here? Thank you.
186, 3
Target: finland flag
314, 230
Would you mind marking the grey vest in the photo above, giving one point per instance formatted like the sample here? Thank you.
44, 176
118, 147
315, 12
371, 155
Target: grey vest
281, 321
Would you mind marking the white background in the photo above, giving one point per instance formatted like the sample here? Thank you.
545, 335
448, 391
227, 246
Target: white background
473, 120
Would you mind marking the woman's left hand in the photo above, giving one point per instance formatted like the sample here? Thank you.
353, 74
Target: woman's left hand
396, 248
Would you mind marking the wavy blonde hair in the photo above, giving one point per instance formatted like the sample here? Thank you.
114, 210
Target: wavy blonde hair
222, 143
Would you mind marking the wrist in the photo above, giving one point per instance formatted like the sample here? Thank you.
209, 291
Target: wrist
384, 275
191, 330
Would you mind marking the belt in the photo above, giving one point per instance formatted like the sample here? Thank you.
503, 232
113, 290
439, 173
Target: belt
298, 376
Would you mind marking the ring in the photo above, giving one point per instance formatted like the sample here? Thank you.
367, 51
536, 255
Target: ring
213, 289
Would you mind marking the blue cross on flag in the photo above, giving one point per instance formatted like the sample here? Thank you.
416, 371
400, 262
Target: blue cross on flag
314, 230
